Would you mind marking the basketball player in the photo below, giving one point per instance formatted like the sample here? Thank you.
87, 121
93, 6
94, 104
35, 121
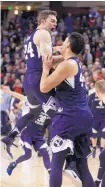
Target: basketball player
37, 45
73, 119
100, 90
26, 114
32, 136
98, 110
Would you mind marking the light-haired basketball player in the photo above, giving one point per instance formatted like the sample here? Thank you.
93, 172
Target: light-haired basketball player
37, 45
98, 128
100, 90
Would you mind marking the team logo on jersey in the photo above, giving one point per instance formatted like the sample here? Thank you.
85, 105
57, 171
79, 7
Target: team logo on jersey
58, 143
50, 105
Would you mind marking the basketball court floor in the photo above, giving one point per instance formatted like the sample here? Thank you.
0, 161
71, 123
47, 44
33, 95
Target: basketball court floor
32, 173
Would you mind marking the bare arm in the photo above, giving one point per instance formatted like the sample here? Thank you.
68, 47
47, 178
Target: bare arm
17, 95
57, 59
42, 40
64, 70
14, 94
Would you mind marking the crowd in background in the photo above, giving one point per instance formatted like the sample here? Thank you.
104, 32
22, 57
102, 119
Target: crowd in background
92, 26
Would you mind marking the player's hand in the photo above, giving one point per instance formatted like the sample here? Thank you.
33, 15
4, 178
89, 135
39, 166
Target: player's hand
6, 89
57, 49
47, 63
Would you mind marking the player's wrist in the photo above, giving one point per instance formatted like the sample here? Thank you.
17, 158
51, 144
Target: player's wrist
46, 72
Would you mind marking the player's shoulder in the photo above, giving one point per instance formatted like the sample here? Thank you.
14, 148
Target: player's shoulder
72, 64
41, 35
42, 32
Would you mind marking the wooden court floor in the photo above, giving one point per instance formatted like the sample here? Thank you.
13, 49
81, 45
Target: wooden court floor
32, 173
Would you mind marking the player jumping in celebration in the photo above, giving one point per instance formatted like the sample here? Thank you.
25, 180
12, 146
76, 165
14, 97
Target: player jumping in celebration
37, 45
100, 90
73, 120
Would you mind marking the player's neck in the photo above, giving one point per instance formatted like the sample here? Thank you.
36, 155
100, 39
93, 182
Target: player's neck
103, 99
42, 27
68, 55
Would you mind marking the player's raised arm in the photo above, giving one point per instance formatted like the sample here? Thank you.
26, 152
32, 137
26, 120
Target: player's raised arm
42, 40
14, 94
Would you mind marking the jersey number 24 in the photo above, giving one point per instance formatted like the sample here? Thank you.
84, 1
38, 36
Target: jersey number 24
28, 50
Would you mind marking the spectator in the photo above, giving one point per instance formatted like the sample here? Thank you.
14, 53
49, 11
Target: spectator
69, 23
102, 60
18, 86
5, 104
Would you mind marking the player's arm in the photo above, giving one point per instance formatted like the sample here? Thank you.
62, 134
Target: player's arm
90, 100
57, 60
64, 70
20, 104
42, 39
14, 94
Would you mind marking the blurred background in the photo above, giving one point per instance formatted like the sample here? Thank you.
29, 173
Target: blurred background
19, 19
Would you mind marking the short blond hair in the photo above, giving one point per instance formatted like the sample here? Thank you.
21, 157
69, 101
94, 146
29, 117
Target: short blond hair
44, 15
100, 86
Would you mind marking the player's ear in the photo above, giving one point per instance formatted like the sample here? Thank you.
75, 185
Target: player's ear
42, 21
68, 42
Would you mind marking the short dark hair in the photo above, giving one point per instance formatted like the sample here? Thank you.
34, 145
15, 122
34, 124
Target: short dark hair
76, 42
44, 15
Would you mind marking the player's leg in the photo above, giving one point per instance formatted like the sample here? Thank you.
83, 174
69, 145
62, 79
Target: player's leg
84, 172
47, 100
57, 163
103, 181
35, 109
70, 170
81, 150
21, 123
26, 144
47, 130
94, 137
60, 148
41, 146
101, 170
102, 134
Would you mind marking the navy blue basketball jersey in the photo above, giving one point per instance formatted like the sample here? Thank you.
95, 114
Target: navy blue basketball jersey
71, 93
97, 107
32, 54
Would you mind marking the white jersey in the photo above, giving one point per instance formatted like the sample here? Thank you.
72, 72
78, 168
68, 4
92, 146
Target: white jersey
25, 106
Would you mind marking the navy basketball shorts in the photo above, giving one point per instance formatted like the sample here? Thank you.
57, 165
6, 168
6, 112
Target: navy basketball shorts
66, 130
98, 128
